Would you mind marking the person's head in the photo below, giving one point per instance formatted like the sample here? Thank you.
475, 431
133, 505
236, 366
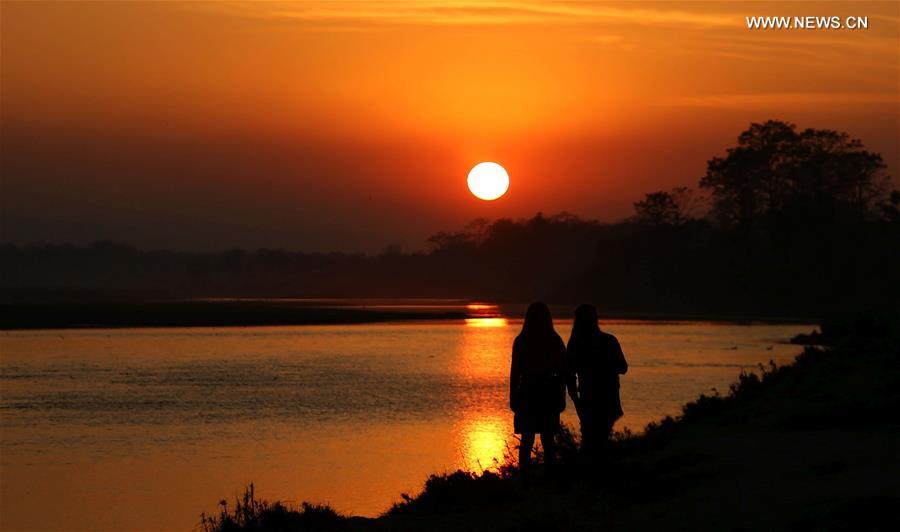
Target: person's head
538, 320
585, 323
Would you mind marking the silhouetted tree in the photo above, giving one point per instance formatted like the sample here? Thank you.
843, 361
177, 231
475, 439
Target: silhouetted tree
890, 208
753, 176
661, 208
822, 173
657, 209
836, 174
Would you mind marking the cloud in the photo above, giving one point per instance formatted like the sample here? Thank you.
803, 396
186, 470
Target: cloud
775, 99
473, 12
605, 39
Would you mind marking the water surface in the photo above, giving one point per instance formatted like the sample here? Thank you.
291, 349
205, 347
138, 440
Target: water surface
145, 428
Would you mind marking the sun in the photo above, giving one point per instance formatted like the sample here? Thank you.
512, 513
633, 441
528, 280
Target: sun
488, 181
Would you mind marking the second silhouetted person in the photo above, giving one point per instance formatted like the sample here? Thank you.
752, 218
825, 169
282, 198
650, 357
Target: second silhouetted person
595, 361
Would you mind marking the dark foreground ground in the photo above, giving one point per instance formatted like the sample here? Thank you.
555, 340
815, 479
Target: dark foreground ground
810, 446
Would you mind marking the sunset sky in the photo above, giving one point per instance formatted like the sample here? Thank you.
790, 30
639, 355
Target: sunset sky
352, 125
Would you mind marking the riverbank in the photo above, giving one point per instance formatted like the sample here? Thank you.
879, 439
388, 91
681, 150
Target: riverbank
203, 313
48, 312
811, 445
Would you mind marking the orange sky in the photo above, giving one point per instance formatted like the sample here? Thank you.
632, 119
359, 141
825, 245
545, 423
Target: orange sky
352, 125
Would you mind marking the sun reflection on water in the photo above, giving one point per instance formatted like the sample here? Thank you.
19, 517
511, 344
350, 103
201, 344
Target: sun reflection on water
484, 315
483, 440
484, 429
486, 322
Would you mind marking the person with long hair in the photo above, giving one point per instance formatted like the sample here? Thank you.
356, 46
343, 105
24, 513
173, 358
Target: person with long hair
537, 384
595, 361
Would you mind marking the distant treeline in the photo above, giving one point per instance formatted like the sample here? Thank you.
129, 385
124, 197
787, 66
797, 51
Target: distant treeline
788, 222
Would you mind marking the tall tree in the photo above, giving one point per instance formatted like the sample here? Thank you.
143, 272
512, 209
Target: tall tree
774, 168
675, 207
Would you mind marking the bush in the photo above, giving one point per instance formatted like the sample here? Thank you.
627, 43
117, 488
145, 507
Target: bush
257, 515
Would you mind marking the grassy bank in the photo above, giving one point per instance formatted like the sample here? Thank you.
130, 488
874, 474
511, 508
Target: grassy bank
811, 445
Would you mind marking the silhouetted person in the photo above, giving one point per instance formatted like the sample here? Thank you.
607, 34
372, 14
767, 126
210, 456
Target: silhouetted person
537, 383
595, 361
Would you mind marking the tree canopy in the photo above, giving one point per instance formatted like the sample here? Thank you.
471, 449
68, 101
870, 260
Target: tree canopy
776, 170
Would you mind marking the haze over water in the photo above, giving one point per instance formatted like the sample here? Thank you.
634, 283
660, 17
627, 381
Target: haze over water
145, 428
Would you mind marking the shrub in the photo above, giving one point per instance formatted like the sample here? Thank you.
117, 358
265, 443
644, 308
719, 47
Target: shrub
256, 515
